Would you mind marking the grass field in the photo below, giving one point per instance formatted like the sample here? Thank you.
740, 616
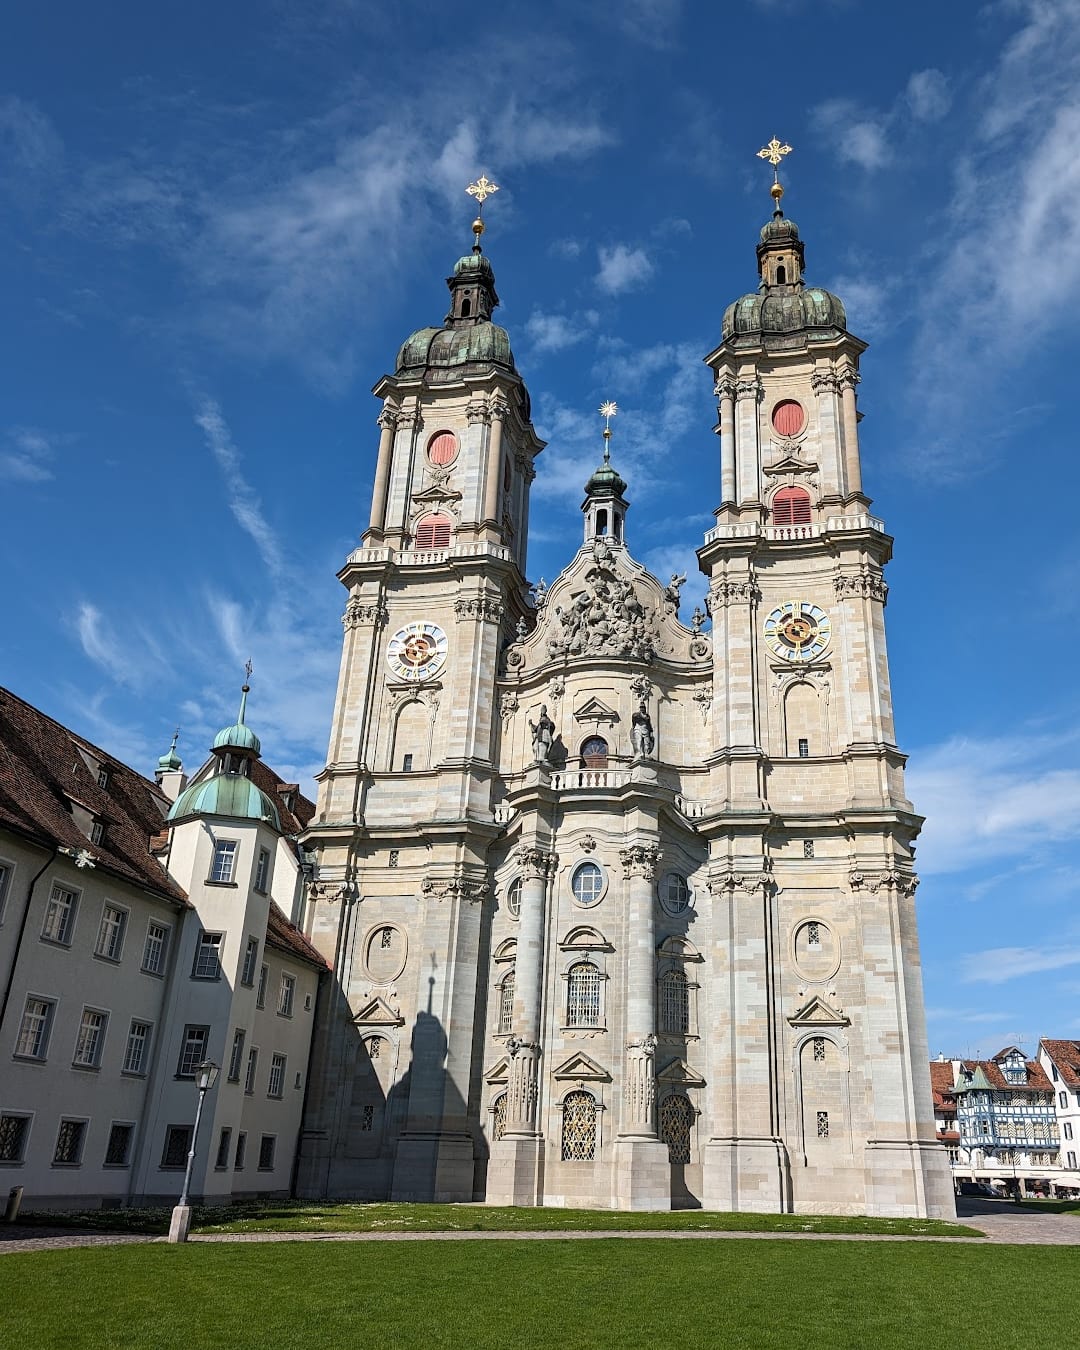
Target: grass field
759, 1294
288, 1216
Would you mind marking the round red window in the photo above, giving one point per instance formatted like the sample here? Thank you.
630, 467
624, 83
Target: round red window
788, 417
443, 448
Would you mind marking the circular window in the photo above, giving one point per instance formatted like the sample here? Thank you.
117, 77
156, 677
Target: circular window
443, 448
674, 892
788, 417
587, 883
513, 897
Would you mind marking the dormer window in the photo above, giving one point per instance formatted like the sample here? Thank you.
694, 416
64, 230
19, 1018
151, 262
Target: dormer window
103, 778
791, 506
97, 832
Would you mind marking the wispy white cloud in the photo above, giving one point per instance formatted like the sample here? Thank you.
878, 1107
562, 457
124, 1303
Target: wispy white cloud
928, 95
556, 332
865, 136
28, 455
244, 502
100, 643
622, 268
997, 965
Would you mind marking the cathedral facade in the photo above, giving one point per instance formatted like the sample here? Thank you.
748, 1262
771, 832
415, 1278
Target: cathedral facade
620, 901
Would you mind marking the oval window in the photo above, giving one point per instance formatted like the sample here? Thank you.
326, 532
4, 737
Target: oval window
587, 883
513, 897
443, 448
788, 417
674, 892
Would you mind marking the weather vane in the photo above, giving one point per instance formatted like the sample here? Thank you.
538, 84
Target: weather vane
482, 189
248, 668
607, 411
774, 152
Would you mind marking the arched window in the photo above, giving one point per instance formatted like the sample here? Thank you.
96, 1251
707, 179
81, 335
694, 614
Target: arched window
791, 506
601, 522
498, 1118
676, 1118
506, 1005
579, 1127
466, 307
674, 1003
594, 753
433, 532
583, 995
781, 275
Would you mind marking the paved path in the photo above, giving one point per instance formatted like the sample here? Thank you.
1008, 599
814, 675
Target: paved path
1000, 1221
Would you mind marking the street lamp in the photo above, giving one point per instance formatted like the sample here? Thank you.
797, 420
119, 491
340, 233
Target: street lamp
205, 1077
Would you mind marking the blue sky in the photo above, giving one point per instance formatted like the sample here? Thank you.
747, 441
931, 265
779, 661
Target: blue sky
217, 224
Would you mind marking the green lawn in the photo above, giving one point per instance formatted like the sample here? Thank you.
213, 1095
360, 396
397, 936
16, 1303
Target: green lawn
289, 1216
772, 1294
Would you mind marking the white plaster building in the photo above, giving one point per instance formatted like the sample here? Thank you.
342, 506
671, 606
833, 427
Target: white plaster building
1060, 1061
620, 902
140, 935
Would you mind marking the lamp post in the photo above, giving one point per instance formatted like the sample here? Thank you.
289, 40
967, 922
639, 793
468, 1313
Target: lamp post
205, 1077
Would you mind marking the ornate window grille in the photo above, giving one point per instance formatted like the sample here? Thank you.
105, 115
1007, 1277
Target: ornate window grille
386, 937
813, 934
676, 1118
674, 1003
374, 1047
506, 1005
498, 1118
583, 995
579, 1127
823, 1124
819, 1049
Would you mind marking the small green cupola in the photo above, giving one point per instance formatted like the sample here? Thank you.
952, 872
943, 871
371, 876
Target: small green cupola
170, 761
227, 789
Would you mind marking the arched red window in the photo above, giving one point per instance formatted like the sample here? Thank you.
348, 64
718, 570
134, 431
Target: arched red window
443, 448
788, 417
594, 753
433, 532
791, 506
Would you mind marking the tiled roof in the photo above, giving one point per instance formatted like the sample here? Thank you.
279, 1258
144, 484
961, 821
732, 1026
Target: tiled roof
1066, 1057
941, 1084
284, 936
294, 809
1037, 1080
42, 771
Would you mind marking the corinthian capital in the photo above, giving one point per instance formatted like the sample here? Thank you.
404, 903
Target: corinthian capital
535, 862
639, 860
388, 418
499, 407
824, 382
848, 377
751, 388
725, 387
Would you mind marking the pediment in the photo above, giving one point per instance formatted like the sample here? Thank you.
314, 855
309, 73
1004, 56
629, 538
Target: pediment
506, 951
595, 710
499, 1071
583, 938
437, 492
679, 949
678, 1071
818, 1013
378, 1013
791, 464
583, 1070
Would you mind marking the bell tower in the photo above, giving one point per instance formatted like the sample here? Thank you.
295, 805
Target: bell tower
436, 590
820, 1051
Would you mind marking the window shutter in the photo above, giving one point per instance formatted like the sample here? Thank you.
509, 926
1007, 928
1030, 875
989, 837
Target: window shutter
791, 506
433, 532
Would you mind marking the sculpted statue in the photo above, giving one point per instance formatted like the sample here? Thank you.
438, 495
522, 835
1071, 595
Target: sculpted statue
671, 590
604, 619
543, 735
641, 733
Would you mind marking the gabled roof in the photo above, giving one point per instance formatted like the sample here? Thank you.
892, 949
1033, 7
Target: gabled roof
987, 1074
43, 770
941, 1084
285, 937
1066, 1059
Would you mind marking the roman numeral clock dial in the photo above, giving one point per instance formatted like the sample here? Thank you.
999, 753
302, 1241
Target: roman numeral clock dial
798, 630
417, 651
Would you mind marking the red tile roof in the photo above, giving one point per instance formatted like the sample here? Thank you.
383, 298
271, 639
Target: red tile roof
1036, 1076
1066, 1058
294, 808
284, 936
941, 1084
42, 771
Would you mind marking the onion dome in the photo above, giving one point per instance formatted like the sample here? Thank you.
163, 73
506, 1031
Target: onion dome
170, 761
605, 481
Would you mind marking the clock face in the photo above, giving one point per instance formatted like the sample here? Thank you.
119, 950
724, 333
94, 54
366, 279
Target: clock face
798, 630
417, 651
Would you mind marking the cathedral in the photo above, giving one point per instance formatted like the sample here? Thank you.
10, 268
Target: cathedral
619, 900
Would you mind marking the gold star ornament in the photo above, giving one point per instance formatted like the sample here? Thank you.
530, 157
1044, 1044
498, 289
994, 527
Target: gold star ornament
608, 411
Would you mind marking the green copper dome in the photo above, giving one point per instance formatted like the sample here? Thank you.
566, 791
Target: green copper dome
481, 343
239, 736
226, 794
474, 264
170, 761
605, 481
767, 312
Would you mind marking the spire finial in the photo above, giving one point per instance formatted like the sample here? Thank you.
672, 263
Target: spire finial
774, 152
607, 412
482, 189
175, 738
245, 689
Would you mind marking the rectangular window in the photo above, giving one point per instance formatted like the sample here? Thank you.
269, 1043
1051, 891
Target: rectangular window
276, 1085
192, 1050
59, 925
804, 748
110, 938
406, 764
236, 1055
14, 1132
91, 1038
260, 997
813, 934
103, 778
118, 1149
177, 1145
5, 879
251, 957
207, 964
224, 863
266, 1152
1068, 1130
97, 832
808, 848
69, 1143
819, 1049
157, 946
241, 1150
224, 1140
1063, 1098
823, 1124
137, 1053
33, 1038
285, 995
262, 871
252, 1068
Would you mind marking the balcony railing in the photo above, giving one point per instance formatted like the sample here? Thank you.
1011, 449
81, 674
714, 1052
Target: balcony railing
475, 548
796, 533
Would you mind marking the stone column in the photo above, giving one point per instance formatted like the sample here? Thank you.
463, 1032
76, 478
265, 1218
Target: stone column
848, 379
388, 420
493, 481
827, 388
725, 390
749, 393
536, 866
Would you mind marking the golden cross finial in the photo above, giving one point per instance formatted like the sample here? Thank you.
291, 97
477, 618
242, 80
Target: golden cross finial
482, 189
774, 152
